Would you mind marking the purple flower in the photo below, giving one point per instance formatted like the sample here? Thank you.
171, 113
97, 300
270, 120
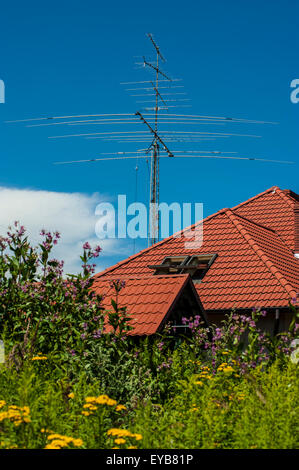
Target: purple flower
96, 251
118, 284
86, 246
97, 334
21, 231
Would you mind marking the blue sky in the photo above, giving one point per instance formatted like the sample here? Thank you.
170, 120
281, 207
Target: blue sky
62, 58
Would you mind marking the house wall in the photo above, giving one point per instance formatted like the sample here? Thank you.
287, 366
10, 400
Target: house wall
266, 324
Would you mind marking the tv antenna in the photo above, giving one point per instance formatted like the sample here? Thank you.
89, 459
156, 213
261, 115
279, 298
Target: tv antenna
154, 148
159, 99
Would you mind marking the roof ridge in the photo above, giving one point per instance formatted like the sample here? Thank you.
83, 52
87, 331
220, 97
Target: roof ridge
291, 194
253, 222
267, 228
255, 197
285, 198
165, 240
262, 255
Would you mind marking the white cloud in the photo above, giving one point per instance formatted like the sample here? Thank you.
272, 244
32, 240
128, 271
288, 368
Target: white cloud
72, 214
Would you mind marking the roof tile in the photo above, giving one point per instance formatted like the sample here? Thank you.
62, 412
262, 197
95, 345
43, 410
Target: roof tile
255, 265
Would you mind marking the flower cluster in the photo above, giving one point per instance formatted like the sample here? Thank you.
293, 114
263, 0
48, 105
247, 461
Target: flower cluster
58, 441
117, 285
123, 436
15, 414
165, 365
205, 374
91, 404
226, 368
39, 357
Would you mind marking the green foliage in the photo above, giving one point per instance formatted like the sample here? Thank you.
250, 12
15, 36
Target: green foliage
74, 377
259, 410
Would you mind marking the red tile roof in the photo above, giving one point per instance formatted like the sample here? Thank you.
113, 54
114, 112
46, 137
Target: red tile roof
273, 208
149, 299
255, 243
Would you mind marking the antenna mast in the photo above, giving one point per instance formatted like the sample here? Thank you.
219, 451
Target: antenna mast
154, 219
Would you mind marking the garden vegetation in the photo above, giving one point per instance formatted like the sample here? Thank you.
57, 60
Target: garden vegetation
66, 383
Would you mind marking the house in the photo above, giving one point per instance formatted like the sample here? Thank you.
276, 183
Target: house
249, 258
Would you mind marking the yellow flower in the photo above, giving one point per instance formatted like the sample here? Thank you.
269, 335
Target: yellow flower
57, 443
90, 399
86, 413
111, 402
120, 407
119, 432
101, 400
58, 436
71, 395
90, 406
138, 437
51, 446
77, 442
224, 352
2, 403
132, 447
198, 382
103, 397
120, 440
17, 422
39, 358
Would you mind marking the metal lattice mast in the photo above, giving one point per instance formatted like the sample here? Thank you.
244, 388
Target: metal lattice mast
154, 213
154, 223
